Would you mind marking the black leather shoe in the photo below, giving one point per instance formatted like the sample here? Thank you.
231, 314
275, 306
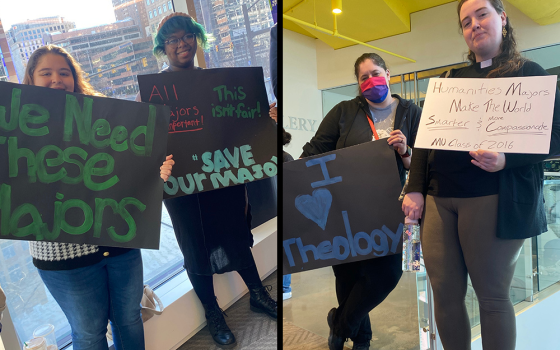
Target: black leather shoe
335, 342
261, 301
361, 346
218, 327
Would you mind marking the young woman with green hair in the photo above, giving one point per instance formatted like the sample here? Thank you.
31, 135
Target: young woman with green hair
212, 228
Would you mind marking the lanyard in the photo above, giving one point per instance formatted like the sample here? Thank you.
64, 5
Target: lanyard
372, 128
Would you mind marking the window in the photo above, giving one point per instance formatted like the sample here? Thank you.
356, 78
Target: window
230, 48
147, 2
159, 9
170, 6
8, 251
164, 7
151, 14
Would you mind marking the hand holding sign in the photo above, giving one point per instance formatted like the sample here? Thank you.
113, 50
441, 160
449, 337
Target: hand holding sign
165, 169
488, 160
398, 141
507, 115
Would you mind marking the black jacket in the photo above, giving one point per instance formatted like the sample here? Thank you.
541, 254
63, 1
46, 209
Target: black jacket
521, 212
346, 125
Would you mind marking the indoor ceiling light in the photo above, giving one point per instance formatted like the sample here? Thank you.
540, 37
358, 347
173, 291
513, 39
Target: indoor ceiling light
336, 6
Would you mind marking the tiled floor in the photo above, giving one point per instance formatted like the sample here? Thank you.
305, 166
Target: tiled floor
394, 322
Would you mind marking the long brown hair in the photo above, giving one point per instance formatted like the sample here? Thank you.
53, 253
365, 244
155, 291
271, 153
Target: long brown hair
509, 60
80, 84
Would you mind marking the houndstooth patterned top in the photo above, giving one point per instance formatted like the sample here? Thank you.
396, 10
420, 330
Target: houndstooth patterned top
54, 251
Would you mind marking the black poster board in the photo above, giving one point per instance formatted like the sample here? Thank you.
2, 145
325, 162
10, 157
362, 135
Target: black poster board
220, 133
341, 207
80, 169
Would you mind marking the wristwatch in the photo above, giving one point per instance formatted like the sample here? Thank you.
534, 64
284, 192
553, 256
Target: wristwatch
408, 152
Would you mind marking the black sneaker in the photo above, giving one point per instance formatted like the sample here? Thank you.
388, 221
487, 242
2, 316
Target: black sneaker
335, 342
262, 302
218, 327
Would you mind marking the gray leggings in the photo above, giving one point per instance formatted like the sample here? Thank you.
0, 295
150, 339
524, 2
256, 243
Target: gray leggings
459, 237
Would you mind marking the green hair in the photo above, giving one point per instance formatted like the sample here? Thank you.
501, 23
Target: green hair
174, 24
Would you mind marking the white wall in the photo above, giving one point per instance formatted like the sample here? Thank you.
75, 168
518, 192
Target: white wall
302, 98
434, 41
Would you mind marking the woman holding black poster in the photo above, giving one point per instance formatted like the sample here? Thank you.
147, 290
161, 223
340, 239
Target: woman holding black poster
212, 228
375, 114
477, 207
91, 284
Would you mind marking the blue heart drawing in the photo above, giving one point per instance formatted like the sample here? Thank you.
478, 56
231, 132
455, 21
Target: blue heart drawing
315, 207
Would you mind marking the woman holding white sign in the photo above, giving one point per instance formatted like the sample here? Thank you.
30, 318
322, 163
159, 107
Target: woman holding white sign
479, 206
374, 115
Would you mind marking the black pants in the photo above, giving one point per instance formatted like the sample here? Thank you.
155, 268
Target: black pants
360, 287
204, 285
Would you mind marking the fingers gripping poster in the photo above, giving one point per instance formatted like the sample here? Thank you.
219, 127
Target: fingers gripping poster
80, 169
220, 133
341, 207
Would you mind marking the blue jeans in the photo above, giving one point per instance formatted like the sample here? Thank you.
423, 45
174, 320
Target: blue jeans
286, 282
90, 296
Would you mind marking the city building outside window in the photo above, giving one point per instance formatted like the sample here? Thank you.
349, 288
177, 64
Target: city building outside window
241, 34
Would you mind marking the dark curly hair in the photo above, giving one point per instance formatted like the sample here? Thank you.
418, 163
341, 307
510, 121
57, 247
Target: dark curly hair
286, 137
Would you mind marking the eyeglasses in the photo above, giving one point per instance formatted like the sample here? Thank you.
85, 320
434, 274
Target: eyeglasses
187, 39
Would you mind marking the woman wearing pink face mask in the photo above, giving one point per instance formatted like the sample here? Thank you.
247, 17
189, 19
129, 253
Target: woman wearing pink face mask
373, 115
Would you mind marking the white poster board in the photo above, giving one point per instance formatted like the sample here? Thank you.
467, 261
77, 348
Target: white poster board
510, 115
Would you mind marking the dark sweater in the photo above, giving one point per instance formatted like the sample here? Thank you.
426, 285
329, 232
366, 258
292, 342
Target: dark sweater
347, 125
519, 185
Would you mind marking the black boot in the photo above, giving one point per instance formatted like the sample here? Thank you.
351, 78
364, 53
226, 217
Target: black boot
361, 346
217, 326
261, 301
335, 342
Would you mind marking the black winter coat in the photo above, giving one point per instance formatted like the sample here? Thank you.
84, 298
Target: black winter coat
346, 125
